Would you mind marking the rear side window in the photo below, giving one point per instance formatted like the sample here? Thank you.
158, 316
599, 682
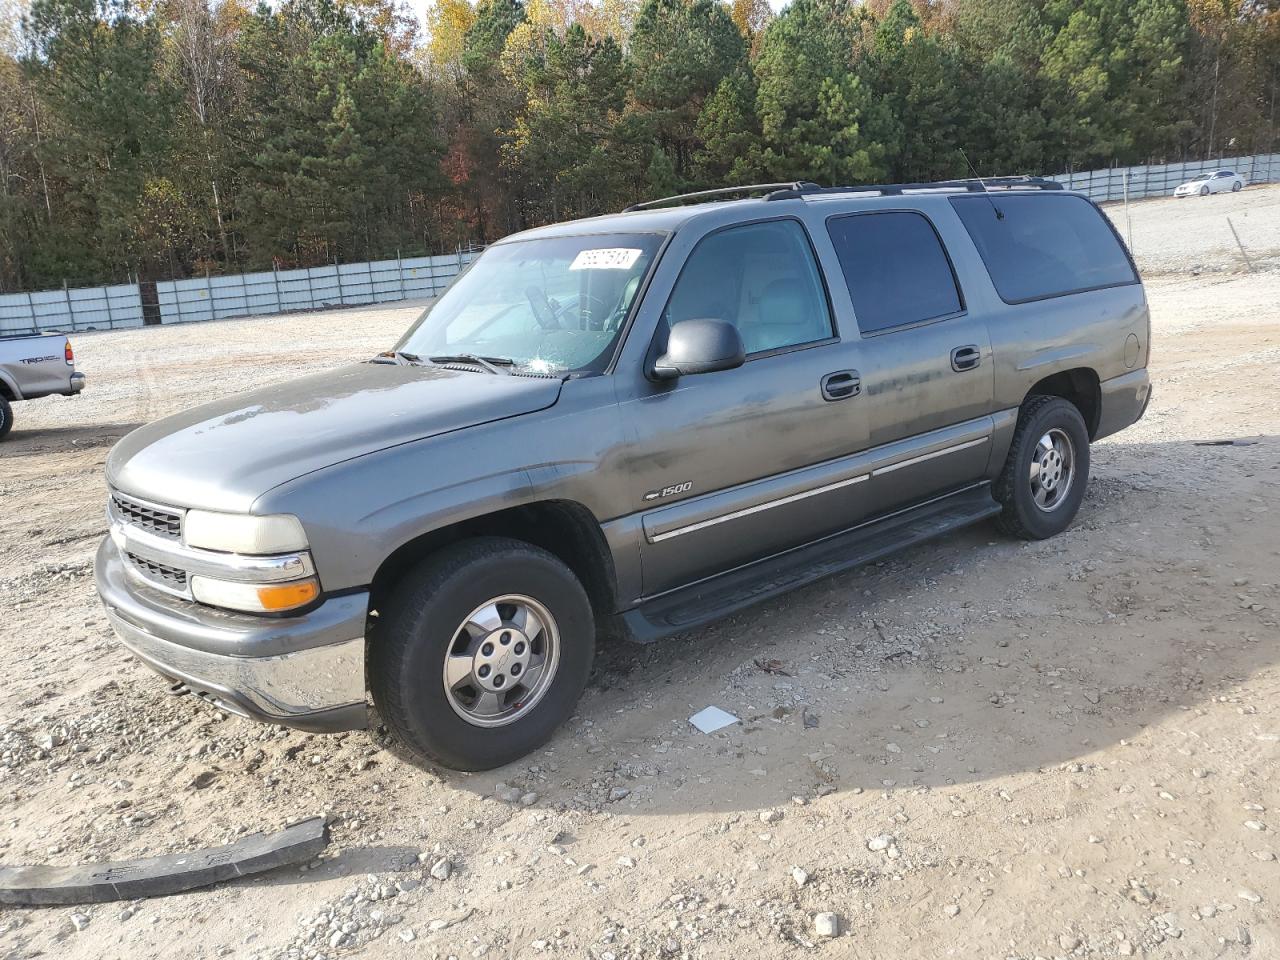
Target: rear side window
896, 269
1044, 246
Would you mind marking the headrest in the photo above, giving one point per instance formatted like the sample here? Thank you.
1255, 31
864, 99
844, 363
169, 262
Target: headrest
784, 302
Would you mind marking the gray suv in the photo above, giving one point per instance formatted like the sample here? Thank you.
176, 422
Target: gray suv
642, 421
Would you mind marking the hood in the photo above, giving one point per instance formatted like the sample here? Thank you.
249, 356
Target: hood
226, 454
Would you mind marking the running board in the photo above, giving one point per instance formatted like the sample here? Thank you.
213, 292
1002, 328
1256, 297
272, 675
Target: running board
701, 603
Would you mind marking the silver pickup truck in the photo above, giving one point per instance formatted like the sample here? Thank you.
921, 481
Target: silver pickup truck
646, 420
35, 366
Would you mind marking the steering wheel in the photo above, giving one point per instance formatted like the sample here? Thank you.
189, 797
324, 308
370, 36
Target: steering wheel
587, 307
543, 312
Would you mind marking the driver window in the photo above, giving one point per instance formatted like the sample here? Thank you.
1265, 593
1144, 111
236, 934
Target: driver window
760, 277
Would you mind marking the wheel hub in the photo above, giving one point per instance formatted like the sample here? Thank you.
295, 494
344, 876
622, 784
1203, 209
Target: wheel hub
1052, 469
502, 657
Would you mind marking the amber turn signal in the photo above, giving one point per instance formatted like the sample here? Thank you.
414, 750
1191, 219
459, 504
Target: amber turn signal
254, 597
288, 595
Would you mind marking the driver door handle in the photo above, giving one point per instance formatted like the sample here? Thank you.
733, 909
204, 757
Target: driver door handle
965, 358
841, 385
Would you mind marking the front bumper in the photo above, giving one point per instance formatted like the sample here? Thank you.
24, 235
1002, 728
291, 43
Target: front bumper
305, 671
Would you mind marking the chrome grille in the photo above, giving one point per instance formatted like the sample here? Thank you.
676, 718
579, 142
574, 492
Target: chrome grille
158, 573
162, 523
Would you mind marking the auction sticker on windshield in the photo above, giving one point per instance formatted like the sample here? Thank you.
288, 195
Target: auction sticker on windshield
606, 258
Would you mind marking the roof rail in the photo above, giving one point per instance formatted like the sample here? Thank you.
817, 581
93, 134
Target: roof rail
898, 189
789, 188
805, 188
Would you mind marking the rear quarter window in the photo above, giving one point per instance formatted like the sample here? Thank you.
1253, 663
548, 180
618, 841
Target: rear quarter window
1044, 245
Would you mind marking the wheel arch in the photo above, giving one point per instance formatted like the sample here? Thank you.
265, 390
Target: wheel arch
564, 528
8, 389
1081, 387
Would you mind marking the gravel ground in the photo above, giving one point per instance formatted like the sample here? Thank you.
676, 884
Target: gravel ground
979, 748
1194, 235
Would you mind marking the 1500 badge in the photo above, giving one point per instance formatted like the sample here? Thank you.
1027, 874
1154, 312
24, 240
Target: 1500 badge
671, 491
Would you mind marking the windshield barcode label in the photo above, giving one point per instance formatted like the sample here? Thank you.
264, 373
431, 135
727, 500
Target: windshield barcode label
606, 258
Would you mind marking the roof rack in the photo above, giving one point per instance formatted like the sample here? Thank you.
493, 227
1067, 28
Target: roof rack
723, 192
806, 188
898, 189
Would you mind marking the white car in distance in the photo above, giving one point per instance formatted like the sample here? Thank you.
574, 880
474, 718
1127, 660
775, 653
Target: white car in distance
1216, 181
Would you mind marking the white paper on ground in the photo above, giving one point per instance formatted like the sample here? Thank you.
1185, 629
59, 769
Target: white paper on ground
712, 719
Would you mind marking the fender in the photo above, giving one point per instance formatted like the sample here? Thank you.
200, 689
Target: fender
10, 387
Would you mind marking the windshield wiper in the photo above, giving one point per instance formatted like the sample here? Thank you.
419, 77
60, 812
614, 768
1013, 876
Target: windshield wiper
492, 364
395, 357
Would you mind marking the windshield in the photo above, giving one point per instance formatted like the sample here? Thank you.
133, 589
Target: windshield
555, 305
1203, 176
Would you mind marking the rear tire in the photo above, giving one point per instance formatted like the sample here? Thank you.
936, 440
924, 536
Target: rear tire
1046, 472
1235, 187
6, 418
482, 653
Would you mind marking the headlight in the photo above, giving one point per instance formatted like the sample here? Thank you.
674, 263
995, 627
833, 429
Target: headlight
241, 533
254, 597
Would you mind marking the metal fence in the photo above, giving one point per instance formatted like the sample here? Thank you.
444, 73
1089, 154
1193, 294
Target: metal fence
218, 298
71, 308
1161, 179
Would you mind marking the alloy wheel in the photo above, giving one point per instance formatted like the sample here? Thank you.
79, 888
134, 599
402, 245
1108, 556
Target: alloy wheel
1052, 469
502, 660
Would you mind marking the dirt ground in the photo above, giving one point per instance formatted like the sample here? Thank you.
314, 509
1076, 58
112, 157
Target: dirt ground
978, 749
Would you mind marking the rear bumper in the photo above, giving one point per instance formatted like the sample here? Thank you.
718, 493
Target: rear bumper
305, 672
77, 383
1124, 401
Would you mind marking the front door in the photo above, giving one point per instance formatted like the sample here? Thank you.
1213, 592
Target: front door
732, 466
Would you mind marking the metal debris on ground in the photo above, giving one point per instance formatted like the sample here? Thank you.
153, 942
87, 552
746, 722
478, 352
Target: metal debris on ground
771, 666
40, 885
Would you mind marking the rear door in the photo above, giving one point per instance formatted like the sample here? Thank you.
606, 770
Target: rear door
924, 357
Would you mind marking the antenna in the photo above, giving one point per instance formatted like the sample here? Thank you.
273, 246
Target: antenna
985, 192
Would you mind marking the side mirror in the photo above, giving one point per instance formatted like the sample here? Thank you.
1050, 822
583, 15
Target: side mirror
700, 346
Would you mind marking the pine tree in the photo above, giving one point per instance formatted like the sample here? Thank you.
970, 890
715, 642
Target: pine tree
813, 107
94, 65
680, 52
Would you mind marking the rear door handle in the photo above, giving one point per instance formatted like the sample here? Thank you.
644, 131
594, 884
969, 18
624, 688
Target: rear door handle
965, 358
841, 385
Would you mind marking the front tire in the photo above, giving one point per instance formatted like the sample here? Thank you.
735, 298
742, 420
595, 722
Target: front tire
482, 652
1204, 191
6, 418
1045, 474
